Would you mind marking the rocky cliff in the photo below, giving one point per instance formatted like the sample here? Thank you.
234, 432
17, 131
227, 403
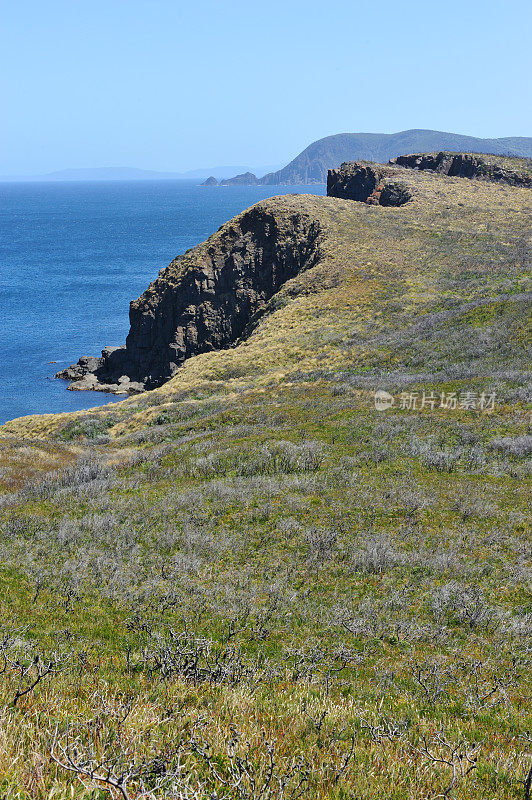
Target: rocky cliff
373, 184
467, 165
204, 300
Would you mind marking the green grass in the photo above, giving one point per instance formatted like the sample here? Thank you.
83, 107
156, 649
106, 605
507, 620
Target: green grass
251, 566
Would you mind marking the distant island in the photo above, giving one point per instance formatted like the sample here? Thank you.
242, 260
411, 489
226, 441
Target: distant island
244, 179
312, 164
135, 174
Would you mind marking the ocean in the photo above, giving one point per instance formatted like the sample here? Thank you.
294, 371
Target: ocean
73, 255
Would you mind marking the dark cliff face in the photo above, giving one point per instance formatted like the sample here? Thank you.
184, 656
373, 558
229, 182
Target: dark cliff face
463, 165
204, 300
368, 183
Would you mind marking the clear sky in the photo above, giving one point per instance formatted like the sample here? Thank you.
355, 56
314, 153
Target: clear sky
171, 85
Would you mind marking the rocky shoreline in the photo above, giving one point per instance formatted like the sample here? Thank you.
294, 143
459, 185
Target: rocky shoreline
100, 374
205, 300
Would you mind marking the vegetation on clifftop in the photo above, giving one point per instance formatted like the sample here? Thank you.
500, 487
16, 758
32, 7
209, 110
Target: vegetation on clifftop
249, 583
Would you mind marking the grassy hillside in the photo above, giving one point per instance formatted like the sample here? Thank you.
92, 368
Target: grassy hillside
250, 583
311, 165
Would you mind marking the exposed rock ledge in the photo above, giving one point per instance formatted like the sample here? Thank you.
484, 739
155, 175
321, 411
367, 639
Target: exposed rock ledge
204, 300
373, 184
465, 165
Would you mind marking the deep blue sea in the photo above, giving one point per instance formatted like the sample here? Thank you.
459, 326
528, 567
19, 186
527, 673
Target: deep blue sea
72, 256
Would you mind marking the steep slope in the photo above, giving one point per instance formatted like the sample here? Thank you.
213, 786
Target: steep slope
205, 299
312, 164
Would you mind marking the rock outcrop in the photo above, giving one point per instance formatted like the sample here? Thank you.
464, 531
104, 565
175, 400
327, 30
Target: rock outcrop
205, 300
368, 183
245, 179
211, 181
465, 165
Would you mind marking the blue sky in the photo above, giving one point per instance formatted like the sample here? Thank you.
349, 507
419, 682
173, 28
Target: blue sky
170, 85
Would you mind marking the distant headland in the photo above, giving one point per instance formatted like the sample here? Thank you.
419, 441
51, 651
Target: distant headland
311, 165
